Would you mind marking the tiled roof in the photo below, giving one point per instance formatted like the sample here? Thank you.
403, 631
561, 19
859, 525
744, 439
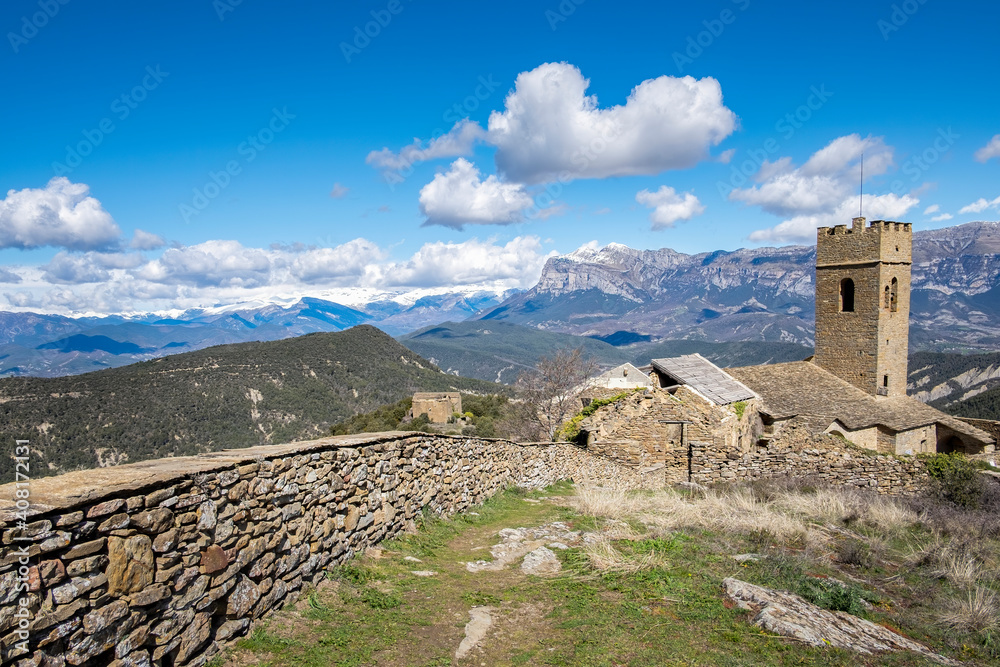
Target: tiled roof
704, 377
803, 389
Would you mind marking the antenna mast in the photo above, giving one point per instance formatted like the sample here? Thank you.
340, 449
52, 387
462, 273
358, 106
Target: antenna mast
861, 198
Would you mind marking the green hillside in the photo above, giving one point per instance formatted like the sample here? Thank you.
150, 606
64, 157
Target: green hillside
220, 397
499, 351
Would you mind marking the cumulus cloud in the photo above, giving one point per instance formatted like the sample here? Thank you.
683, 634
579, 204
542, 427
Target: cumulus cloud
62, 214
459, 141
980, 205
8, 276
74, 269
668, 206
552, 130
225, 271
830, 176
802, 228
990, 150
339, 191
461, 197
146, 240
212, 263
343, 264
518, 263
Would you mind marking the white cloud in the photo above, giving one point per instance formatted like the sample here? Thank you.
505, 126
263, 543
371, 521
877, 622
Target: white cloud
552, 130
942, 217
830, 176
62, 214
518, 263
668, 206
932, 209
725, 157
8, 277
74, 269
802, 228
343, 264
460, 197
225, 271
990, 150
980, 205
212, 263
459, 141
146, 240
339, 191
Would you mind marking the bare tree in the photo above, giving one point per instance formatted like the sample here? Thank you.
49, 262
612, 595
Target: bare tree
546, 395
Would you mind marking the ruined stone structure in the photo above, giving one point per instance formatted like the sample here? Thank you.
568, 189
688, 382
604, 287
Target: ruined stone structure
863, 304
438, 406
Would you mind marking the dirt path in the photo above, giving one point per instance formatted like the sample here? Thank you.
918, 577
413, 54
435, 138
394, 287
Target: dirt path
437, 596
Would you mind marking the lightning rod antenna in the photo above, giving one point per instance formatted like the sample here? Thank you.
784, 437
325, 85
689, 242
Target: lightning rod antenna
861, 199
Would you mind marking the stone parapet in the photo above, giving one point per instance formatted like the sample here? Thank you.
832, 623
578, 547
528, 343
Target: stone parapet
163, 562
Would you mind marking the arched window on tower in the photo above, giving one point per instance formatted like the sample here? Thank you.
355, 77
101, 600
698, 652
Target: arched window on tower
892, 294
847, 295
886, 304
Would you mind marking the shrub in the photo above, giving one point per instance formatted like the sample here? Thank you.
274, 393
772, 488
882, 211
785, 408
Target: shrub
740, 407
833, 595
956, 479
570, 431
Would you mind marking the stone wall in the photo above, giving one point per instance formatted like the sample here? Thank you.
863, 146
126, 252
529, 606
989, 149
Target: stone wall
826, 458
162, 562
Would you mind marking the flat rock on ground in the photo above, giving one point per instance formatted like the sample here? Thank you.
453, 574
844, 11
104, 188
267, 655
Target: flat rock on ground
791, 616
517, 543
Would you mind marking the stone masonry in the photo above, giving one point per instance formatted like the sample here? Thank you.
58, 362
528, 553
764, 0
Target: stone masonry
163, 562
866, 344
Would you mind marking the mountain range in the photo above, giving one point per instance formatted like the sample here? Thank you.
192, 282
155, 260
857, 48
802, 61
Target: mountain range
762, 294
219, 397
615, 294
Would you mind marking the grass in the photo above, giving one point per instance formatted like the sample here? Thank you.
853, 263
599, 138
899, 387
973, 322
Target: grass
644, 589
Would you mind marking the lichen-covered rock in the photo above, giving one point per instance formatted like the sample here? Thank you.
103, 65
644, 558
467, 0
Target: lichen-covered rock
130, 564
791, 616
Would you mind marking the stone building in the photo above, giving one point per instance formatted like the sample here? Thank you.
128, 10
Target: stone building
693, 406
854, 387
863, 304
439, 406
800, 394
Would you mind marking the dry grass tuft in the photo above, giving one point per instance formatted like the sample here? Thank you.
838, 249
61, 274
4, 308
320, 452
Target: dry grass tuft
977, 611
604, 557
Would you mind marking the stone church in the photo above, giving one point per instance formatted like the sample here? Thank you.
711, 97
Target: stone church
853, 387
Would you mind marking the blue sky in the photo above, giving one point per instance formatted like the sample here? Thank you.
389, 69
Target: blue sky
266, 149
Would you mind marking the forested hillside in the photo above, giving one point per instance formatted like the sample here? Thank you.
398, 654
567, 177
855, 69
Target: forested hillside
220, 397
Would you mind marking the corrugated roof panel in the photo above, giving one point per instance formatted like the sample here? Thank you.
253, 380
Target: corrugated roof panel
704, 377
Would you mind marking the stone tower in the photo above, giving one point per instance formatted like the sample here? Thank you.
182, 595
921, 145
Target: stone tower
863, 304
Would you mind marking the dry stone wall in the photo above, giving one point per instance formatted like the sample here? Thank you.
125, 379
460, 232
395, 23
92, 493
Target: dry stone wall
826, 458
163, 562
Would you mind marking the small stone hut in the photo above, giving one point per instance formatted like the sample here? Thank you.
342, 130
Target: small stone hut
439, 406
